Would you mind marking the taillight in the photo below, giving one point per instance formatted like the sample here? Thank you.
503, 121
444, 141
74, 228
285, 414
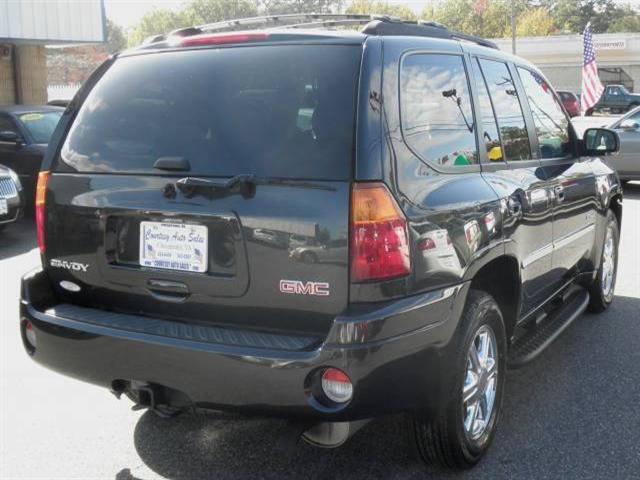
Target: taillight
379, 237
41, 197
220, 39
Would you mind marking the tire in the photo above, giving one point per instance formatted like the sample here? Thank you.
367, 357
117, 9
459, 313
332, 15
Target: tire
444, 440
602, 289
589, 112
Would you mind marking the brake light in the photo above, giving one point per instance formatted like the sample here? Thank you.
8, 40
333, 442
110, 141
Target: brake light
220, 39
41, 196
379, 237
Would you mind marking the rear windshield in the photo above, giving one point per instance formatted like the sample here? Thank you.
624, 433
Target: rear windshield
276, 111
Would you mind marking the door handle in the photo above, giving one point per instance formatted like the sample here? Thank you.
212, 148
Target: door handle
559, 193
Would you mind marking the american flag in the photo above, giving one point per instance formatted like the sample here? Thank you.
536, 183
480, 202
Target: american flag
591, 87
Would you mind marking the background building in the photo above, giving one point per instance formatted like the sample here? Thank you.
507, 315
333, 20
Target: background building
560, 58
26, 26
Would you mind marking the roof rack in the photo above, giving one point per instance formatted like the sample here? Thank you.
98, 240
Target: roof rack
421, 28
381, 25
277, 21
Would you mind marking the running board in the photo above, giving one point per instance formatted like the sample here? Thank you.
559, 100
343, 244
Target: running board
535, 341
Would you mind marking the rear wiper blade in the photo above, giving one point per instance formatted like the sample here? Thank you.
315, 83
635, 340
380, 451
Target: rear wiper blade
240, 183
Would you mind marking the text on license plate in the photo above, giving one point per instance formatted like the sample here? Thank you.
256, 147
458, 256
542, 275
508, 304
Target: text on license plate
174, 246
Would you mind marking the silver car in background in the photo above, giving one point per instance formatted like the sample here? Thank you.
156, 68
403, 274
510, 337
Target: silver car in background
627, 162
11, 197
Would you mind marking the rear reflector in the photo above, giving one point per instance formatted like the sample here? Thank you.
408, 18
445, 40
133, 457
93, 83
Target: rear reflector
379, 237
336, 385
220, 39
30, 335
41, 196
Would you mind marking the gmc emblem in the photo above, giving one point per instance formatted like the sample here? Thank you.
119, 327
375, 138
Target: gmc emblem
320, 289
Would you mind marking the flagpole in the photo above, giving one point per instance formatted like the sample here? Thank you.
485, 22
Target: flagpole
513, 27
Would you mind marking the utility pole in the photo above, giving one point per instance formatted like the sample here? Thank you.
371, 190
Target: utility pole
513, 27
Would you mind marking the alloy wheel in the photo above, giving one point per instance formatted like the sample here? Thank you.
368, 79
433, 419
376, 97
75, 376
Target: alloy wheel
480, 383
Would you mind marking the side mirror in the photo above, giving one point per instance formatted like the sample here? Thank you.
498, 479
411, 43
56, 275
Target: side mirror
10, 136
600, 141
629, 125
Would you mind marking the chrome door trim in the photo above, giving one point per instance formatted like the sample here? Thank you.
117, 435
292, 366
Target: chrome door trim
549, 248
536, 255
573, 236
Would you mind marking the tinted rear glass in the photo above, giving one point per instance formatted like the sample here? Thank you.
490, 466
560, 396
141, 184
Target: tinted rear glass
277, 111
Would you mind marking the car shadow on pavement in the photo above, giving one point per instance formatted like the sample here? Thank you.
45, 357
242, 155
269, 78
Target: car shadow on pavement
17, 238
562, 415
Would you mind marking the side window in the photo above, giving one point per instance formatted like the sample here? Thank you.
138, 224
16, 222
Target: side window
504, 96
435, 105
7, 125
485, 112
552, 126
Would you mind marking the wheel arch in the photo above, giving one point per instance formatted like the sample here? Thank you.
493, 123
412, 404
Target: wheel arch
615, 205
500, 278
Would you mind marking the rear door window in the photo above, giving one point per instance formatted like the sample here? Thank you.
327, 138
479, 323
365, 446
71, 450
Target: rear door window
278, 111
552, 125
491, 137
435, 104
504, 97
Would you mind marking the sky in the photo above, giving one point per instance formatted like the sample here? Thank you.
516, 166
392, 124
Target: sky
127, 12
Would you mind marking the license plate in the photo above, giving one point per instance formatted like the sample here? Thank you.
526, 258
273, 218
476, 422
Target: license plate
174, 246
4, 209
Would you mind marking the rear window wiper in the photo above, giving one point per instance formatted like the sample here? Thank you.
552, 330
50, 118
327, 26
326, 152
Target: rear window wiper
244, 184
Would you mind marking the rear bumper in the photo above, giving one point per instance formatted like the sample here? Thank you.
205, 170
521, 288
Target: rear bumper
396, 355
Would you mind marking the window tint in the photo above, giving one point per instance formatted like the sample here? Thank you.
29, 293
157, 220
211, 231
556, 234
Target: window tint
552, 125
437, 119
504, 95
286, 111
6, 125
40, 124
491, 137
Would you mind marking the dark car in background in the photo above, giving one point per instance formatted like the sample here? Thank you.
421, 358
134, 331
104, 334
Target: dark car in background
571, 102
25, 131
325, 226
615, 99
11, 197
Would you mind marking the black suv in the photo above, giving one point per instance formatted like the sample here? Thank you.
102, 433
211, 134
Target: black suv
320, 225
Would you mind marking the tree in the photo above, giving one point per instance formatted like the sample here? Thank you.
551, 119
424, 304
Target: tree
275, 7
629, 21
381, 7
571, 16
484, 18
155, 22
208, 11
116, 40
535, 23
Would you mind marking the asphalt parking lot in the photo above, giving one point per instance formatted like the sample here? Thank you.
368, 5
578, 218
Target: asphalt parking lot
571, 414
